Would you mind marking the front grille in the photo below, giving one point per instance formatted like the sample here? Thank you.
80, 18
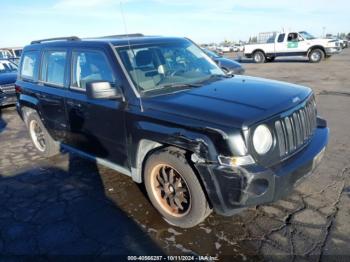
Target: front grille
294, 130
8, 88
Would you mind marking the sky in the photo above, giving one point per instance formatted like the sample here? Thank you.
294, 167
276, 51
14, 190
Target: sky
203, 21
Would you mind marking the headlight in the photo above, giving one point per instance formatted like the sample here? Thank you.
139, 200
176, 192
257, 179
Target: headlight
262, 139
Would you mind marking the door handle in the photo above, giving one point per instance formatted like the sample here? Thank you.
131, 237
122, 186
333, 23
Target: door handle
74, 104
79, 106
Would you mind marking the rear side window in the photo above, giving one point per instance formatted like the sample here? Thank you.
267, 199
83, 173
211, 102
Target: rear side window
53, 67
30, 64
89, 66
281, 38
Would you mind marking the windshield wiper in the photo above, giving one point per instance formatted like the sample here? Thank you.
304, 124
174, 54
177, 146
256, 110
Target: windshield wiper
171, 86
174, 85
215, 77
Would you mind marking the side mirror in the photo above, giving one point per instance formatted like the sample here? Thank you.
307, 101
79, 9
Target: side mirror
103, 90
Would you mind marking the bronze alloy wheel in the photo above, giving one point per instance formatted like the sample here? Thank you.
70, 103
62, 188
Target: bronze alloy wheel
170, 190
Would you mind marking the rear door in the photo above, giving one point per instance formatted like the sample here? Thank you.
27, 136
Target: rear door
97, 126
42, 79
280, 44
53, 88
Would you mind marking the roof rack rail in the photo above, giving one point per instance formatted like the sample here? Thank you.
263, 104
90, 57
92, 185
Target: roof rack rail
69, 38
123, 36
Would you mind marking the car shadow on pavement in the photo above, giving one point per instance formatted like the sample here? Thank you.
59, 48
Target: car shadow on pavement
299, 60
3, 123
60, 210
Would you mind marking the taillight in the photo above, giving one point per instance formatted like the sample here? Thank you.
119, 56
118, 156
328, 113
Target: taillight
18, 89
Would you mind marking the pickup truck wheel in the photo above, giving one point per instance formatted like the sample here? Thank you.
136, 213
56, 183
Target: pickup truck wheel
259, 57
41, 139
174, 189
316, 55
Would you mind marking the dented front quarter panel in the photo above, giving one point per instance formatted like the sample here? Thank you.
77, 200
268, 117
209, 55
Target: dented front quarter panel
207, 142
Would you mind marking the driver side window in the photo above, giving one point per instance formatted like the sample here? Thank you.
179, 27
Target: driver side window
293, 37
89, 66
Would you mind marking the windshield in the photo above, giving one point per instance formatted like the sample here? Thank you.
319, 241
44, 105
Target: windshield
162, 68
306, 35
211, 53
7, 67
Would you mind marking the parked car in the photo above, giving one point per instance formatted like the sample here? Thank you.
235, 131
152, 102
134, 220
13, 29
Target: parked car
212, 47
229, 66
292, 44
223, 49
234, 48
5, 54
162, 112
346, 42
16, 51
239, 48
8, 75
12, 53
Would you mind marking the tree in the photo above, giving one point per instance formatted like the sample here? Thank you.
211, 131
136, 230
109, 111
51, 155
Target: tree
254, 39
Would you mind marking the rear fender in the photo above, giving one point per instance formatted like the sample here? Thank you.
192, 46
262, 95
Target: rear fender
26, 105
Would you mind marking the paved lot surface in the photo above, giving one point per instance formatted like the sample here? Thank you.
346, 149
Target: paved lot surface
67, 205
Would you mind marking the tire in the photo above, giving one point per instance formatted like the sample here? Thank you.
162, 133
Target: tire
160, 168
259, 57
316, 55
41, 139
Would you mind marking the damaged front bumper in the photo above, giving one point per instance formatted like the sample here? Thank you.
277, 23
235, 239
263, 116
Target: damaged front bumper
231, 189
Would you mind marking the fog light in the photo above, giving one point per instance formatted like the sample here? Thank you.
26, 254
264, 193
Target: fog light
258, 186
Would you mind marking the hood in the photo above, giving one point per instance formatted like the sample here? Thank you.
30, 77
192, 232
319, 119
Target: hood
239, 101
8, 78
321, 41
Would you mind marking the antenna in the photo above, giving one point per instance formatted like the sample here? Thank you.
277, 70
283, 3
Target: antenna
129, 45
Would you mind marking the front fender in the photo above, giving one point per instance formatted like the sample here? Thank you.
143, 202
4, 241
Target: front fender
196, 142
145, 136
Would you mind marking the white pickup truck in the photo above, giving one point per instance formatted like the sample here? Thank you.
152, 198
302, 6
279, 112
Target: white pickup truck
291, 44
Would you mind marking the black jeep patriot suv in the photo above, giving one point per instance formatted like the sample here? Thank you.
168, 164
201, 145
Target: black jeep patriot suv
159, 110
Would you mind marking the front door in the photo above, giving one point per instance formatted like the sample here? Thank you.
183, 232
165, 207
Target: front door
97, 126
294, 44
